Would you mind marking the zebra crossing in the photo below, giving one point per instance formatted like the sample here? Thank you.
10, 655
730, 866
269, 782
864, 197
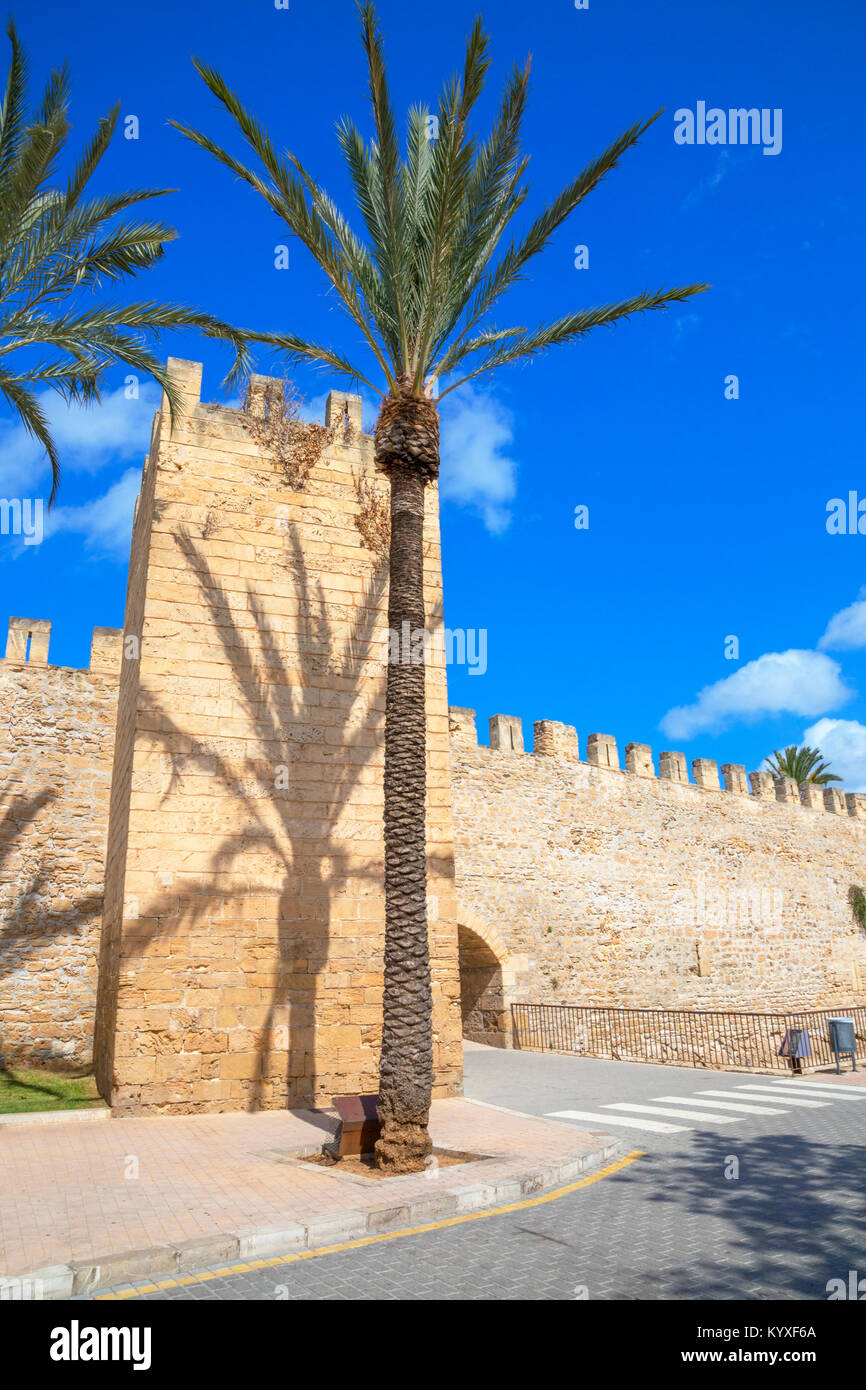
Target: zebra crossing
710, 1107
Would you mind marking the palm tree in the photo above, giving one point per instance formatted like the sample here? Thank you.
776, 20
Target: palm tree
419, 290
56, 245
803, 763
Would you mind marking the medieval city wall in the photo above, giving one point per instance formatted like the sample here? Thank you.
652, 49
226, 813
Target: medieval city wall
56, 737
582, 882
236, 818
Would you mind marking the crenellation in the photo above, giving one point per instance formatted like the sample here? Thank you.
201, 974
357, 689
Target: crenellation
554, 740
639, 759
461, 725
106, 649
763, 785
506, 733
263, 393
601, 750
340, 408
673, 768
186, 377
735, 778
27, 640
787, 791
706, 773
812, 796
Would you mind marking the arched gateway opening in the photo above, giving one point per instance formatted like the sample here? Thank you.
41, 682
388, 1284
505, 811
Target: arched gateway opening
484, 1006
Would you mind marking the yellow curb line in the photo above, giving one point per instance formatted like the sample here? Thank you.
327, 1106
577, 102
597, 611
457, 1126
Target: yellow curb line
357, 1244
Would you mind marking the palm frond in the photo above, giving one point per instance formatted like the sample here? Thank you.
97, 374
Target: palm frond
447, 189
294, 351
33, 418
286, 195
564, 330
385, 159
423, 270
12, 112
91, 157
57, 246
510, 268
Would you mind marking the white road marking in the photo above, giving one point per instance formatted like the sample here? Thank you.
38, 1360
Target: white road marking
723, 1105
825, 1091
750, 1099
667, 1110
768, 1091
606, 1120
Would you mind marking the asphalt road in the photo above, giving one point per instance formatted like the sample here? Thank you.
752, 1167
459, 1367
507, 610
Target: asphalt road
756, 1193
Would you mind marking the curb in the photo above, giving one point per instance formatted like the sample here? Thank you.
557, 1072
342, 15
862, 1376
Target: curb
57, 1117
85, 1277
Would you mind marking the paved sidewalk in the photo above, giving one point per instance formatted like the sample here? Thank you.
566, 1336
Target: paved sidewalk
84, 1207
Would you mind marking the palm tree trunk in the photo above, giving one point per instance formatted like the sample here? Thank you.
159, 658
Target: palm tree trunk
406, 1066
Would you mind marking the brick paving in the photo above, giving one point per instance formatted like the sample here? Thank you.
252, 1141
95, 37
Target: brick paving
671, 1225
77, 1193
667, 1227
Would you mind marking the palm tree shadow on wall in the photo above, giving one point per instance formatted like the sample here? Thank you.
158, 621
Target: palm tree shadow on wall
34, 923
312, 872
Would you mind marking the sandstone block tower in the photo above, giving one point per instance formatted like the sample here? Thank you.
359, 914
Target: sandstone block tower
242, 940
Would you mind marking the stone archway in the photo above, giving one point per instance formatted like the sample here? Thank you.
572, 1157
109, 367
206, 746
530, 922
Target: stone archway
484, 983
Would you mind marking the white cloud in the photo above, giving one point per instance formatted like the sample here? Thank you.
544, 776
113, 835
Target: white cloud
846, 630
708, 183
791, 682
476, 432
685, 324
87, 437
843, 745
105, 522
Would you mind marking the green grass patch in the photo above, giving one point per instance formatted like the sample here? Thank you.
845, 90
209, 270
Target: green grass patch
23, 1089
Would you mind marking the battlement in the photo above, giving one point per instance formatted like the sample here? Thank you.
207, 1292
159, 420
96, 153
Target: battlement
28, 638
341, 407
555, 740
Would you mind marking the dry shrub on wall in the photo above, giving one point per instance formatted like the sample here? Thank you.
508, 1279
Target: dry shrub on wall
273, 420
374, 514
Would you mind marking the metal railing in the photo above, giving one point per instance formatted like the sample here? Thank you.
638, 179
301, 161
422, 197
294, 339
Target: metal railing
724, 1041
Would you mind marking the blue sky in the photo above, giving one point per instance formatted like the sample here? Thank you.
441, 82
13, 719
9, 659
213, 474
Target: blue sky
707, 516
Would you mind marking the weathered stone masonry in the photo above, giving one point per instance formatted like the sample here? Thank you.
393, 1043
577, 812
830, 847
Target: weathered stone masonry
595, 885
242, 857
56, 737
